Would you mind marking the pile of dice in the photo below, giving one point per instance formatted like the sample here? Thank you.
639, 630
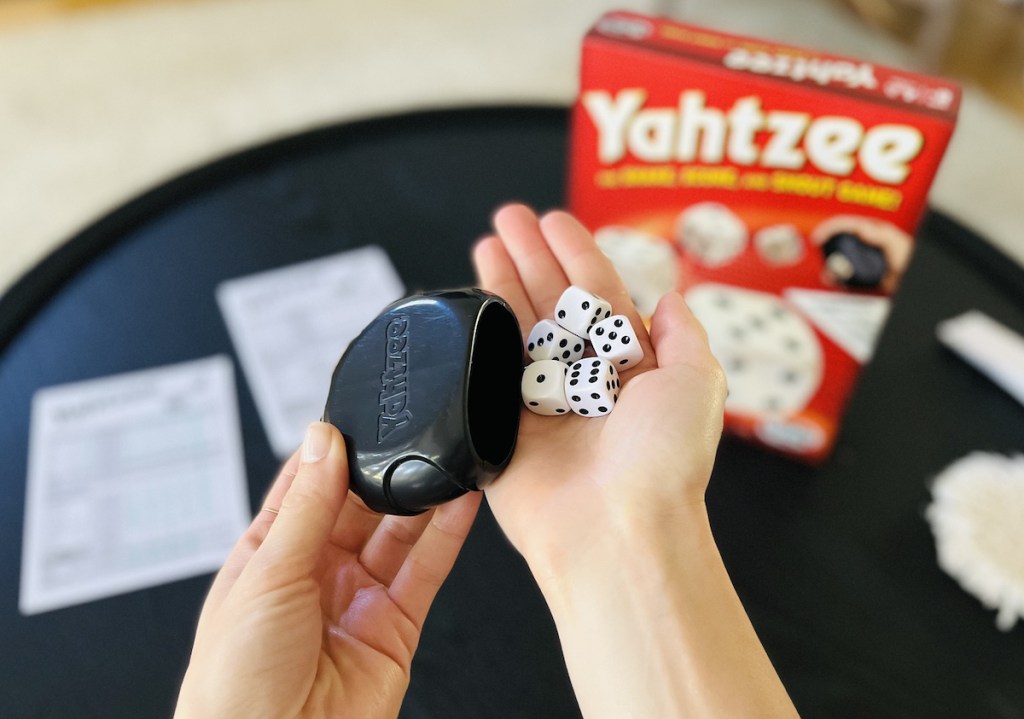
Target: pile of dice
559, 378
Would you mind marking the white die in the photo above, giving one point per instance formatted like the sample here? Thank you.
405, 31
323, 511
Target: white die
578, 310
615, 340
549, 340
592, 387
543, 387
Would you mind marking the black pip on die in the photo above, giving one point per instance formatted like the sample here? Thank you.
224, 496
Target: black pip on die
592, 387
549, 340
615, 340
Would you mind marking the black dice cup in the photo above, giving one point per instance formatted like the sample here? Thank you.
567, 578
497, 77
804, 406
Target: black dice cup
854, 262
427, 398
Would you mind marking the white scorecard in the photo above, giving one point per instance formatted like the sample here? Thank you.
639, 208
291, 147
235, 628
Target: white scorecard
988, 346
133, 480
291, 325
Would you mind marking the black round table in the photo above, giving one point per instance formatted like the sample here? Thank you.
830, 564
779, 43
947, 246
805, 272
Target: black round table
835, 565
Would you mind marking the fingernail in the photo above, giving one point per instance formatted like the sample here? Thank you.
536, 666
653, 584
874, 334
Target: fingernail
317, 442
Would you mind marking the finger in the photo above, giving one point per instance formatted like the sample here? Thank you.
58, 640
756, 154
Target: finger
431, 559
678, 336
588, 267
308, 509
390, 545
264, 518
497, 273
275, 495
536, 265
355, 525
690, 380
254, 534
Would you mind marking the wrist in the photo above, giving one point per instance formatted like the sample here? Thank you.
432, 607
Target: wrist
628, 610
643, 549
650, 624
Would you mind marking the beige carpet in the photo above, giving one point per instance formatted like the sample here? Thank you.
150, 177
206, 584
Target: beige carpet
97, 106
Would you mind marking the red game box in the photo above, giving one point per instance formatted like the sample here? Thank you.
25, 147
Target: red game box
776, 187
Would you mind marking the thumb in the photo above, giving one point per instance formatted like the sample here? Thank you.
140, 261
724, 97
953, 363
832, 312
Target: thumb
310, 507
678, 336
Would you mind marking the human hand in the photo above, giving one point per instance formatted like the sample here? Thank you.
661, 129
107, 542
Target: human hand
573, 481
609, 511
895, 244
318, 609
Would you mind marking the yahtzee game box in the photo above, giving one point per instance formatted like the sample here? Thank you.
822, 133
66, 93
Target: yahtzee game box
777, 188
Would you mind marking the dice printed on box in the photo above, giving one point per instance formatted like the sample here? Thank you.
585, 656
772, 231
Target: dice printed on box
543, 387
771, 356
578, 310
549, 340
614, 339
780, 244
592, 386
711, 233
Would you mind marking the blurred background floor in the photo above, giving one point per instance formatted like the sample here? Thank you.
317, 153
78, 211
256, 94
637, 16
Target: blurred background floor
101, 100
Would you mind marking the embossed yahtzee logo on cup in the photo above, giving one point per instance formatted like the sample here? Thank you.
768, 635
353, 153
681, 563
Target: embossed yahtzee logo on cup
393, 397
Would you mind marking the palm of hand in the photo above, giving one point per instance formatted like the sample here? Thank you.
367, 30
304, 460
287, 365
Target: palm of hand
568, 472
316, 645
331, 642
